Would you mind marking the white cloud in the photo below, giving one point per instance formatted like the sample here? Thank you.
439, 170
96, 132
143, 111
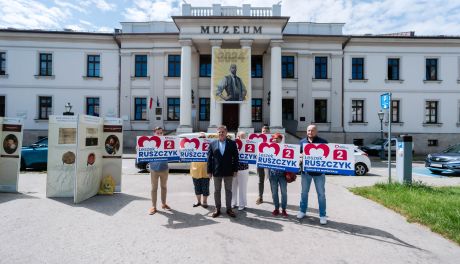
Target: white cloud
75, 27
104, 5
145, 10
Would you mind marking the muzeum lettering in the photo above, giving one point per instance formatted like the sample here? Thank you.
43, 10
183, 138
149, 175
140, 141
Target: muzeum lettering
231, 29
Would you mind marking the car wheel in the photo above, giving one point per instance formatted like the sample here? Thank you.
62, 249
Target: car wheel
360, 169
436, 172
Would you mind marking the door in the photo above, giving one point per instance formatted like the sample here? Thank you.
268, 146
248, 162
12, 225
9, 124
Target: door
231, 116
288, 109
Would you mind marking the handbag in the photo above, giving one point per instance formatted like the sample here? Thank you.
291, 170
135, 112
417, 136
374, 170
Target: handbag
290, 176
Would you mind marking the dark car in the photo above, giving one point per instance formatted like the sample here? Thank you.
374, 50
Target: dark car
35, 156
448, 161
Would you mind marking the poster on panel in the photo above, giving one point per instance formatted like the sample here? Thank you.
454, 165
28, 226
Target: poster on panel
89, 157
277, 156
329, 158
230, 73
62, 146
10, 153
113, 150
156, 148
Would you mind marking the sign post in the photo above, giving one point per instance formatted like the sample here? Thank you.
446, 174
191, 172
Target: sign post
385, 103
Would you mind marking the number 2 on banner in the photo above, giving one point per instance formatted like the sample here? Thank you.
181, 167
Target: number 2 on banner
288, 153
249, 148
169, 144
205, 146
339, 154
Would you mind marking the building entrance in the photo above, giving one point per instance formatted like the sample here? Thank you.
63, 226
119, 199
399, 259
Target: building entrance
231, 116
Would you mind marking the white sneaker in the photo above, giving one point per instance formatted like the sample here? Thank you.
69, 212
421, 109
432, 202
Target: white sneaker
300, 215
323, 220
241, 208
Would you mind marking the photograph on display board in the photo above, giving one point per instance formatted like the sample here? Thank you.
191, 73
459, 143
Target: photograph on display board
112, 145
231, 75
91, 159
68, 158
67, 136
10, 144
91, 137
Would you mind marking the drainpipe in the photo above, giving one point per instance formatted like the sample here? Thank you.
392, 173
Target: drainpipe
115, 34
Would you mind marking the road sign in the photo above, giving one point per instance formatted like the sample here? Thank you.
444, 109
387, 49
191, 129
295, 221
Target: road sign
385, 100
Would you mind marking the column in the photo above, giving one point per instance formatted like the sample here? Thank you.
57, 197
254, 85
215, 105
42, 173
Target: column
215, 115
305, 75
336, 93
245, 107
157, 83
185, 121
276, 86
125, 89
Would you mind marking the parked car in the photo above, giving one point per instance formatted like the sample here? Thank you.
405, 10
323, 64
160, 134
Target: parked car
447, 161
35, 156
375, 147
362, 162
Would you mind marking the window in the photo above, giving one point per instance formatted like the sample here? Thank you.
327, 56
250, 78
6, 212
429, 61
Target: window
320, 67
2, 106
94, 66
173, 109
140, 65
44, 107
256, 110
357, 68
92, 106
393, 69
205, 65
2, 63
257, 70
174, 65
431, 69
46, 63
204, 109
357, 111
432, 142
140, 108
287, 66
288, 109
431, 112
395, 116
320, 111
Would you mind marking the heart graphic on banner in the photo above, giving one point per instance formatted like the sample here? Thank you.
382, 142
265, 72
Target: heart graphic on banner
149, 142
239, 143
317, 150
190, 143
258, 137
273, 148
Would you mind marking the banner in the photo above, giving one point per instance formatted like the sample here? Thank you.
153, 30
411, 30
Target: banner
62, 146
113, 150
194, 149
259, 137
230, 75
247, 150
155, 148
283, 157
329, 158
10, 153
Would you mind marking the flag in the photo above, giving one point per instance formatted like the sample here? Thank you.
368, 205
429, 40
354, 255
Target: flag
158, 102
151, 102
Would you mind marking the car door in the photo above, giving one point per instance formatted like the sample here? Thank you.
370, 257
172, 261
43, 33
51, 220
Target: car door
39, 152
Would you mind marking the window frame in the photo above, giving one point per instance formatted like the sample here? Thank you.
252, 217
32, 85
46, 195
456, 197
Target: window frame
286, 66
315, 107
176, 105
285, 113
398, 111
321, 64
390, 71
206, 107
255, 106
140, 106
427, 67
206, 61
48, 112
354, 117
96, 63
87, 105
255, 71
353, 77
428, 115
49, 64
141, 63
176, 66
3, 104
3, 67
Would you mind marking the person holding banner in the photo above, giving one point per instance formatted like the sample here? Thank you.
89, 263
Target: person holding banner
240, 182
262, 172
223, 165
198, 171
277, 178
317, 177
158, 170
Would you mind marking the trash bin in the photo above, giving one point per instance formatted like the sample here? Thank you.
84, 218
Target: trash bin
358, 142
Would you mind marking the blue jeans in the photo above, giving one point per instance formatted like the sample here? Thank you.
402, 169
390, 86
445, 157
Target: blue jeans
275, 181
320, 182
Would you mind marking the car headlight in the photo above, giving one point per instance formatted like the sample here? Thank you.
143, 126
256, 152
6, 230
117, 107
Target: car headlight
429, 156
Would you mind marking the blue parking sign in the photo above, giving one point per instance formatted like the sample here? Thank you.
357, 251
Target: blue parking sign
385, 100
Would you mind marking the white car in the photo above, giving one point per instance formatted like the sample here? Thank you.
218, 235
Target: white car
362, 162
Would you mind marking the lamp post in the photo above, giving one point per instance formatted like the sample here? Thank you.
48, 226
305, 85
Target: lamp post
68, 108
381, 115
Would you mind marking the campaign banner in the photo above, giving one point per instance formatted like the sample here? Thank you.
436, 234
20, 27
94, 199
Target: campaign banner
10, 153
259, 137
329, 158
247, 150
155, 148
283, 157
194, 149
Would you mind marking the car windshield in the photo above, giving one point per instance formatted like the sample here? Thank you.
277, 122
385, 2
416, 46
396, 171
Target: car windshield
453, 149
379, 141
43, 141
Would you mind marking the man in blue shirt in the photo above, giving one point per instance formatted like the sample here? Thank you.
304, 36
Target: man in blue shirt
159, 170
317, 177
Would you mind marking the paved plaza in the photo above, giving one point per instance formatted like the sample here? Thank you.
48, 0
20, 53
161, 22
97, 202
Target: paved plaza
117, 229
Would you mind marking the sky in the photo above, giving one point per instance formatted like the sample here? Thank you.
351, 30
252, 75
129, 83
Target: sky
425, 17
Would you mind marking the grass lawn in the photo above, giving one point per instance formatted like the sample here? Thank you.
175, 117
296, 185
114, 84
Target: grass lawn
436, 207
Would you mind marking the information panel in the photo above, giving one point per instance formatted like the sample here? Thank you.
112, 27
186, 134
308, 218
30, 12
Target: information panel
10, 153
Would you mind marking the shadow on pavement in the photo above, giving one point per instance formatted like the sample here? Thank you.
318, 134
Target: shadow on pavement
296, 208
180, 220
357, 230
104, 204
7, 197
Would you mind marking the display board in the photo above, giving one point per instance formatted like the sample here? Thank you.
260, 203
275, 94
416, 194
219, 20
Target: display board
247, 150
193, 149
155, 148
259, 137
10, 153
329, 158
113, 150
283, 157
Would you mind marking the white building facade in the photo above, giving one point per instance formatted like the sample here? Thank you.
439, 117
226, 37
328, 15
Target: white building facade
159, 74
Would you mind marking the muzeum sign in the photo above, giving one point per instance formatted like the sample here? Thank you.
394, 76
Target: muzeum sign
231, 29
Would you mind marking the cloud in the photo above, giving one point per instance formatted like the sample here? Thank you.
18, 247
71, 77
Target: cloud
104, 5
146, 10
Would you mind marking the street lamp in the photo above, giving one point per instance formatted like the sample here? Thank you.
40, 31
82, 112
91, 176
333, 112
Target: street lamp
68, 108
381, 115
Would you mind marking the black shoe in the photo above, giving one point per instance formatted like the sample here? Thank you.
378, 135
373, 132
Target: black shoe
196, 204
231, 213
216, 214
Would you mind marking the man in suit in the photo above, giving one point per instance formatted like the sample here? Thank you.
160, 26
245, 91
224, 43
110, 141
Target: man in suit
233, 86
223, 165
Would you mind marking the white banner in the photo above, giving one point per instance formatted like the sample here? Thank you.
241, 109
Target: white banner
329, 158
155, 148
278, 156
259, 137
194, 149
247, 150
10, 153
